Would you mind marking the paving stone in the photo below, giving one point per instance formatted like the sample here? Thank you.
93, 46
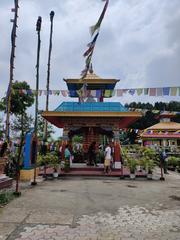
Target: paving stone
6, 229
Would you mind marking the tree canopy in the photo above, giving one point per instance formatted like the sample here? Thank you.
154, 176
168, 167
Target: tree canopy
19, 102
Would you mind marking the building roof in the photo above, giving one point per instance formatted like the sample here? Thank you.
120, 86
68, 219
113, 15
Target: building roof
93, 82
95, 110
164, 126
160, 136
91, 107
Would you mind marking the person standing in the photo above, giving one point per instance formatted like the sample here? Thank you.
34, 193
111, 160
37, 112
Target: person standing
92, 154
164, 161
67, 155
107, 160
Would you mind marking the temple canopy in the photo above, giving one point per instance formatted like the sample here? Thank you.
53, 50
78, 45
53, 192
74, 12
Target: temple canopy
93, 82
102, 113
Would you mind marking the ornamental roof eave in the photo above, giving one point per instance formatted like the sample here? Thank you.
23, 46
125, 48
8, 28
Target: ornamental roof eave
160, 136
164, 126
91, 114
91, 81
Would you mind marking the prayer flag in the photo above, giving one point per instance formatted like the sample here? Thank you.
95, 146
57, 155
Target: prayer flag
98, 24
119, 92
108, 93
131, 91
45, 92
166, 91
91, 44
64, 93
88, 51
146, 91
98, 93
139, 91
152, 92
173, 91
159, 92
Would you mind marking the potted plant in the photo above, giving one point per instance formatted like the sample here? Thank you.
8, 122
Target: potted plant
54, 162
172, 163
132, 164
150, 166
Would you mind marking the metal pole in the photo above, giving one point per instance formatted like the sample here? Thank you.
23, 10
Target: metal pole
11, 77
38, 29
48, 72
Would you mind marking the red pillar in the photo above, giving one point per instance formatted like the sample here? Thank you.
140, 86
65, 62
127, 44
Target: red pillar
117, 152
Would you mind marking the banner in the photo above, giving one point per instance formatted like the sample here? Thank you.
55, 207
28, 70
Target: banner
107, 93
89, 52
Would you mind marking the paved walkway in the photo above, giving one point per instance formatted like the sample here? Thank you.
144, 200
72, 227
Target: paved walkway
95, 209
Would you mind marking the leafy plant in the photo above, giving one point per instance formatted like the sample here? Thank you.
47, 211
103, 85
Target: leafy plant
173, 161
132, 164
150, 166
6, 197
54, 162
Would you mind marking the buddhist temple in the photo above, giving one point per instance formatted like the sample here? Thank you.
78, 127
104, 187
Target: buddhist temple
92, 117
166, 133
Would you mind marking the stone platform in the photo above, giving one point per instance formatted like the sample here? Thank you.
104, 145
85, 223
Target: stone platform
84, 170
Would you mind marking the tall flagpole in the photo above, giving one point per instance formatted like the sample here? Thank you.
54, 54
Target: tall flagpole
12, 57
38, 29
48, 73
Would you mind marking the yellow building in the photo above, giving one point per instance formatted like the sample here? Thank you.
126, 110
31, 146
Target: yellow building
166, 133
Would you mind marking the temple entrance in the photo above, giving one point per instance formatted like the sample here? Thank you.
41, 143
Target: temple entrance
81, 139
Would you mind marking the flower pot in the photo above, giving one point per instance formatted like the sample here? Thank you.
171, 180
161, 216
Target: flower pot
132, 176
149, 176
55, 174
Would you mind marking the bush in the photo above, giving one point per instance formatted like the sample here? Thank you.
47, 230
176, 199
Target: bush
173, 161
6, 197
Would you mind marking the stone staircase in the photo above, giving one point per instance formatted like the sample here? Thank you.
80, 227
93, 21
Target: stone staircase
5, 181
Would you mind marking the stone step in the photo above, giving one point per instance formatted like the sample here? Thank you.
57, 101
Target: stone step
5, 182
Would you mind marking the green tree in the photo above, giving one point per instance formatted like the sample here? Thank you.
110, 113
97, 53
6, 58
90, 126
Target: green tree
22, 124
41, 123
19, 102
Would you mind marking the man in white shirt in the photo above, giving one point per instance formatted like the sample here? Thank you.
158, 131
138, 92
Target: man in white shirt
107, 161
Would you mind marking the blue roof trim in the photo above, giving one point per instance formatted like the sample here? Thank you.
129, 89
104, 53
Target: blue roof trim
91, 107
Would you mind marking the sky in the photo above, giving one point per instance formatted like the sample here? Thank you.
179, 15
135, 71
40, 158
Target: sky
138, 43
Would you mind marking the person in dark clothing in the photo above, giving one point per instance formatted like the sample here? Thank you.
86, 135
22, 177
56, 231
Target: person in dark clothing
163, 159
92, 154
44, 148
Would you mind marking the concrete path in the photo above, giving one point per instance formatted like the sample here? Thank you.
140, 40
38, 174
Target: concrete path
95, 209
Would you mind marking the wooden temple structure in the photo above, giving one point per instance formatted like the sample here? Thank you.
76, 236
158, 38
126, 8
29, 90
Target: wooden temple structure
93, 117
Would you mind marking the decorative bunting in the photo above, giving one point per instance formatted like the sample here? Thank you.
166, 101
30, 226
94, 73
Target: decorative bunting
89, 52
139, 91
159, 92
152, 92
98, 24
146, 91
173, 91
83, 92
166, 91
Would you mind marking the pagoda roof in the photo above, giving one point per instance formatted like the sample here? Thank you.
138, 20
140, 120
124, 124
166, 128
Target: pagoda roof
168, 130
91, 107
100, 110
165, 126
161, 136
93, 82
